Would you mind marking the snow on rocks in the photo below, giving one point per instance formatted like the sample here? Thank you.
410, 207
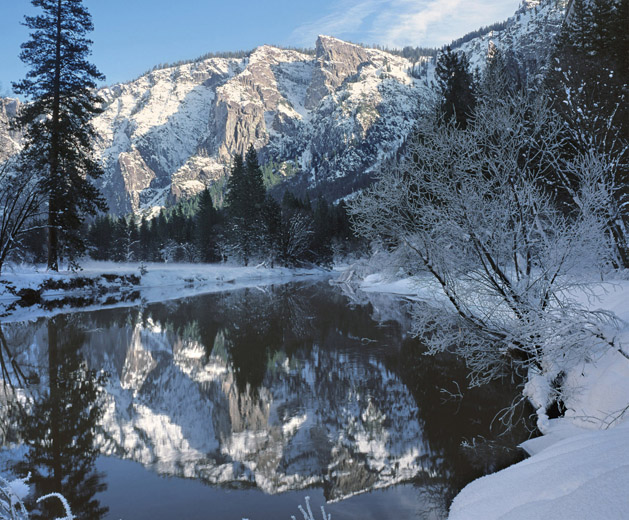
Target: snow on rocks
125, 283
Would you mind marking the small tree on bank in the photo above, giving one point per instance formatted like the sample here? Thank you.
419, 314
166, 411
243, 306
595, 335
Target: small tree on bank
58, 135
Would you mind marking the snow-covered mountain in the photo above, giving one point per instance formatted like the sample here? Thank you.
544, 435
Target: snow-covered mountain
331, 118
171, 132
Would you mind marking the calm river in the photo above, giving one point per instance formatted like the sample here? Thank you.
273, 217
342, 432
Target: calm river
239, 404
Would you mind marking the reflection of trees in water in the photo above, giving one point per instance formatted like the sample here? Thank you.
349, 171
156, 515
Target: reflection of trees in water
59, 428
303, 348
13, 379
259, 324
459, 422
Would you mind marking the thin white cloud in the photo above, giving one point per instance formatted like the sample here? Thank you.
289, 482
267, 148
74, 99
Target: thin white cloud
347, 17
397, 23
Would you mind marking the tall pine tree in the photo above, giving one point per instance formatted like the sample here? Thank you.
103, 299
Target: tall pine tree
245, 199
61, 87
456, 86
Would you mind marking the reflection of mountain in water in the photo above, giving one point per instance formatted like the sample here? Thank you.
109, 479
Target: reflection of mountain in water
282, 396
282, 388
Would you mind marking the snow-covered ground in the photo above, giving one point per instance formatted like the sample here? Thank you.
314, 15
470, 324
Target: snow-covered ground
579, 468
158, 281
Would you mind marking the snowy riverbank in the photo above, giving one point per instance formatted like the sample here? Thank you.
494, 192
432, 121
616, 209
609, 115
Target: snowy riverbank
579, 468
125, 283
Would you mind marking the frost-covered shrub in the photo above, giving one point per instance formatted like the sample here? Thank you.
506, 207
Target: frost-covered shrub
12, 495
474, 208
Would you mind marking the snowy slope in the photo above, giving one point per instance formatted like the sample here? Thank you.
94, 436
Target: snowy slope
334, 117
582, 477
173, 131
527, 37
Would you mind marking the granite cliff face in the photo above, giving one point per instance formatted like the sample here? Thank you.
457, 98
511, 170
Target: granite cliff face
331, 117
174, 131
9, 139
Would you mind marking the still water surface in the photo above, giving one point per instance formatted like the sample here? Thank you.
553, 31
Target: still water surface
239, 404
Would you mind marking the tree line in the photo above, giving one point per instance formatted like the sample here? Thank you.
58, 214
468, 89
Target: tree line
253, 226
52, 210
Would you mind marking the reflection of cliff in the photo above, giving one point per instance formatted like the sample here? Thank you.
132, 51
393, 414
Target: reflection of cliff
324, 414
270, 388
280, 388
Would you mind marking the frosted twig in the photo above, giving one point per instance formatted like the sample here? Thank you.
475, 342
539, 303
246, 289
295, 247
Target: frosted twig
64, 502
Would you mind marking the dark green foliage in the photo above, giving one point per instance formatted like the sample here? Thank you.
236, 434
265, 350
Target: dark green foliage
252, 225
245, 201
588, 81
206, 221
413, 54
323, 231
274, 174
503, 74
590, 69
456, 86
114, 239
60, 85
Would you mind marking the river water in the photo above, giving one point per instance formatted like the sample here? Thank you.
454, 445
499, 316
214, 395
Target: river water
240, 404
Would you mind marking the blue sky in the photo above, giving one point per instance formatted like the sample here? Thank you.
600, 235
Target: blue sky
133, 35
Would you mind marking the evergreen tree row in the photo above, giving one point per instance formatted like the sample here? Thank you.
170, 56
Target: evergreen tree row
252, 226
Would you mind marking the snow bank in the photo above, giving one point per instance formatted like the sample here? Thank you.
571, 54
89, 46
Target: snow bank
158, 281
584, 476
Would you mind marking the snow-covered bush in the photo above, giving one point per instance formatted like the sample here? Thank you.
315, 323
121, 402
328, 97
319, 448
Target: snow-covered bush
475, 208
14, 492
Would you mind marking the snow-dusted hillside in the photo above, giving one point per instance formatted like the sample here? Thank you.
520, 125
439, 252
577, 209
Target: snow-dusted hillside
173, 131
332, 117
527, 37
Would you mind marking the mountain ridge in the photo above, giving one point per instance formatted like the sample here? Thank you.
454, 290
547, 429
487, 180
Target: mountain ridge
334, 117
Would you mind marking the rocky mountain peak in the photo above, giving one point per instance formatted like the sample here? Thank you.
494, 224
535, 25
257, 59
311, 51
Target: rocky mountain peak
336, 61
332, 118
